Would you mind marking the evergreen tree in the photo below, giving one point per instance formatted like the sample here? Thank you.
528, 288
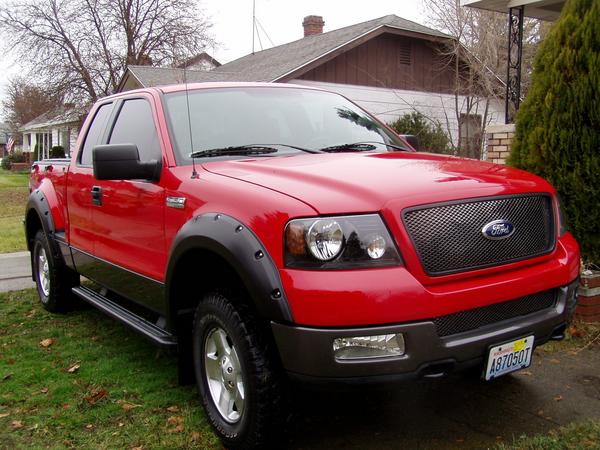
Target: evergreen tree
558, 126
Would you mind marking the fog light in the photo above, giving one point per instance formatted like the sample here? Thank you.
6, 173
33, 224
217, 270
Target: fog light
376, 247
381, 346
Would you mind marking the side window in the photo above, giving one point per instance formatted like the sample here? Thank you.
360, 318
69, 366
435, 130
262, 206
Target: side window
94, 134
135, 125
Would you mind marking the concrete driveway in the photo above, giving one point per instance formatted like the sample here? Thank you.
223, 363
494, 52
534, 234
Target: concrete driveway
15, 271
558, 389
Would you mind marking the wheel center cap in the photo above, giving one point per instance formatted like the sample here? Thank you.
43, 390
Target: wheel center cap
227, 370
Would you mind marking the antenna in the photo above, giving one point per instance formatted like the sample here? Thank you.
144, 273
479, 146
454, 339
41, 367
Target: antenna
187, 101
253, 23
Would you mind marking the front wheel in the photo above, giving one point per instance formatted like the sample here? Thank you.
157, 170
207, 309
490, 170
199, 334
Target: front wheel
238, 381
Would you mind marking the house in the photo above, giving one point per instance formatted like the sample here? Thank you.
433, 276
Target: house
4, 137
59, 126
390, 66
136, 77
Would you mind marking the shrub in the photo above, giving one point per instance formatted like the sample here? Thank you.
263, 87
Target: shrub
431, 135
57, 151
6, 163
18, 157
15, 157
558, 126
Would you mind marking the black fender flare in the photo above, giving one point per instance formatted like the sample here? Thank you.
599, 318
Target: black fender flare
242, 250
38, 204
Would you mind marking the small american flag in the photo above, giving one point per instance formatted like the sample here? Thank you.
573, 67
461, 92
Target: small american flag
10, 144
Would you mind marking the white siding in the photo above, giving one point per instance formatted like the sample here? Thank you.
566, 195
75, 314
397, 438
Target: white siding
74, 132
389, 104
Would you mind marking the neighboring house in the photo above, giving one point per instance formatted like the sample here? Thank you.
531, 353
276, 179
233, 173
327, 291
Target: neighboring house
4, 136
390, 66
202, 61
196, 69
60, 126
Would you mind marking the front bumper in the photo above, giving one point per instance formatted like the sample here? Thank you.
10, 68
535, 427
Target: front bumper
307, 353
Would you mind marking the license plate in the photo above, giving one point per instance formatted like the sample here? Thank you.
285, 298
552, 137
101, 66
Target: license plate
509, 357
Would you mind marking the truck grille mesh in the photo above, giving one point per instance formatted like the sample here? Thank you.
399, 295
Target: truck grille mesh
448, 237
487, 315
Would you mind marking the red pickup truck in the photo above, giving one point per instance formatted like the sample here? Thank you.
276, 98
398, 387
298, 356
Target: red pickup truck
274, 232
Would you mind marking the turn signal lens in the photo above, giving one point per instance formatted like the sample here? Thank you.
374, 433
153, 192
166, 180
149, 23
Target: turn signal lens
380, 346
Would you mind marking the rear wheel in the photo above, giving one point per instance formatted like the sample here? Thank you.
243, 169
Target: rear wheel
52, 278
238, 381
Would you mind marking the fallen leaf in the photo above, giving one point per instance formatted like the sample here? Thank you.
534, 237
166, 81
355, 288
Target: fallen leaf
89, 426
460, 440
540, 412
4, 415
47, 342
128, 407
576, 332
558, 398
96, 395
17, 424
174, 420
137, 448
121, 424
555, 361
74, 368
44, 390
195, 436
177, 429
66, 406
94, 338
173, 409
8, 376
527, 373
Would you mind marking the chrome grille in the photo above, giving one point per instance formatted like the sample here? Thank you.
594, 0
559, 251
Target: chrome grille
474, 318
448, 237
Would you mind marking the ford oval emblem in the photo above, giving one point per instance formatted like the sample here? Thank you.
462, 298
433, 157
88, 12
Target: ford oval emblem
498, 229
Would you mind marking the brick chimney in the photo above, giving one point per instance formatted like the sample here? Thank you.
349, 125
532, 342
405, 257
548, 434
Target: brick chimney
313, 25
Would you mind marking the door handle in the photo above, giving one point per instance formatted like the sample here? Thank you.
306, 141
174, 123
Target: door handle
97, 195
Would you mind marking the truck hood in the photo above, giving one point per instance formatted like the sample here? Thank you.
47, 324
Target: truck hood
368, 182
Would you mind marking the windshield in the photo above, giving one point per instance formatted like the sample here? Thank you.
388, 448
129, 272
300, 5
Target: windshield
276, 117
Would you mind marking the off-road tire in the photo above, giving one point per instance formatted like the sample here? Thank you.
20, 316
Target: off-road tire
261, 422
54, 288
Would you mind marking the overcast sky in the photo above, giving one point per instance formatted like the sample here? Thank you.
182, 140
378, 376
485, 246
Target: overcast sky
281, 20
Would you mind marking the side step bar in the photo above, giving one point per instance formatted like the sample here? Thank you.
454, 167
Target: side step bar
139, 324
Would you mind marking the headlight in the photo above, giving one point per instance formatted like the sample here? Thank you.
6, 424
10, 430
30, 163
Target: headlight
562, 222
342, 242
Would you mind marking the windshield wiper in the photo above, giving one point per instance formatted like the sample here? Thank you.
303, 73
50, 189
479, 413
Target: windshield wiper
359, 147
241, 150
251, 149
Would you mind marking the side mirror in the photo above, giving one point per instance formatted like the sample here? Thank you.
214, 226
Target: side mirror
122, 162
412, 140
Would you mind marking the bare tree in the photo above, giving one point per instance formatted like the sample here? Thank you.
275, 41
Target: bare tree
82, 47
25, 101
478, 56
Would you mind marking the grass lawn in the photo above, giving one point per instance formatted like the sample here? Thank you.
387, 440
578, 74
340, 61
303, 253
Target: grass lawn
577, 436
13, 198
84, 381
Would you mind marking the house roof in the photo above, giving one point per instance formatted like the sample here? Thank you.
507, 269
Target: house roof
149, 76
277, 62
284, 60
60, 115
